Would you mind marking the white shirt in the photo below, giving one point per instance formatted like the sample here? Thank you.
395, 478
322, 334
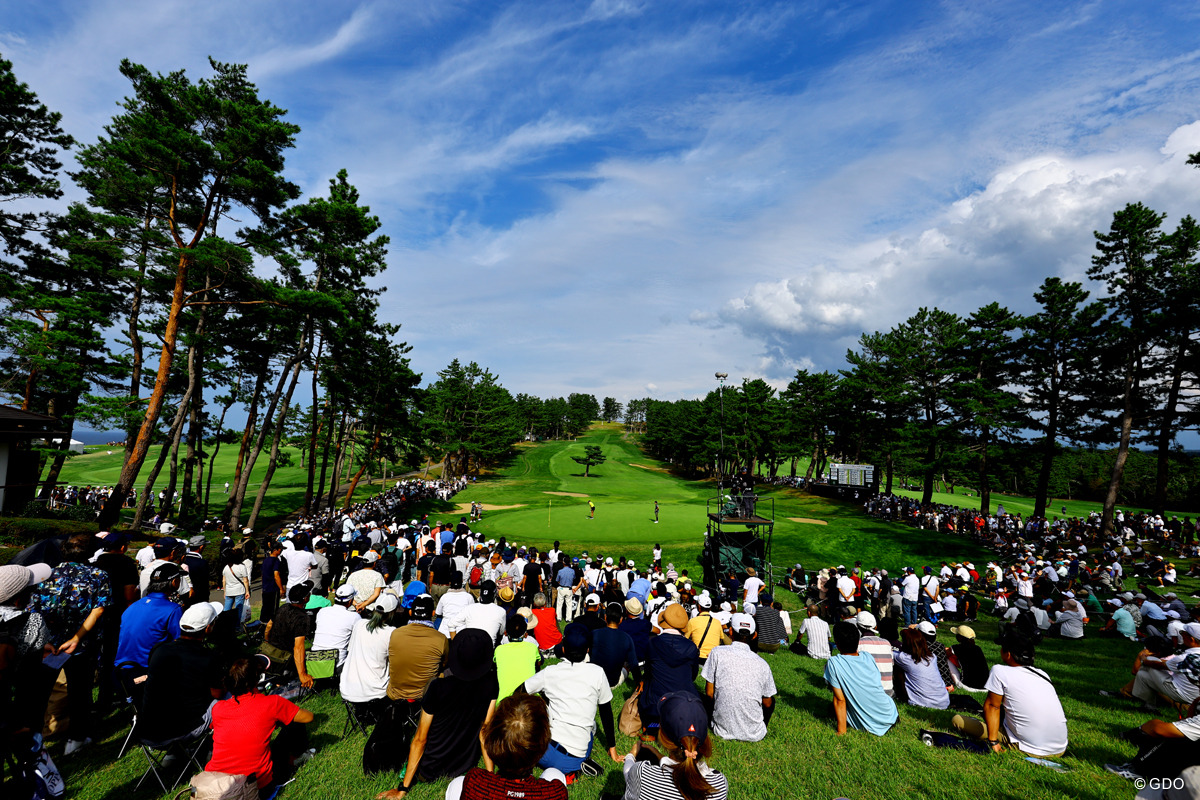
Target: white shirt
365, 582
930, 586
334, 626
1033, 720
365, 672
910, 586
451, 607
301, 564
145, 556
754, 585
487, 617
574, 692
234, 575
846, 587
818, 636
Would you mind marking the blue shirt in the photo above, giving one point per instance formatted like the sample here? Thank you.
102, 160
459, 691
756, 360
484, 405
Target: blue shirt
639, 589
1125, 625
149, 621
566, 577
1153, 611
868, 708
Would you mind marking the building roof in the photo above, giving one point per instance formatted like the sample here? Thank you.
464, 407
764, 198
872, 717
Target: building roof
18, 422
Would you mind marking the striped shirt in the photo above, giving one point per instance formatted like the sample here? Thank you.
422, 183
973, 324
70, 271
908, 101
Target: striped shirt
881, 651
647, 781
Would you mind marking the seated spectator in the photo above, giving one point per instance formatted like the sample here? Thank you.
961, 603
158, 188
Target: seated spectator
703, 630
286, 636
637, 626
817, 631
1157, 678
1165, 748
575, 691
546, 631
859, 700
364, 679
513, 741
415, 653
454, 709
880, 649
242, 727
453, 605
970, 664
672, 663
149, 621
335, 623
769, 625
367, 581
1068, 623
1121, 623
591, 613
683, 773
741, 685
485, 615
1033, 720
919, 683
517, 659
613, 650
183, 681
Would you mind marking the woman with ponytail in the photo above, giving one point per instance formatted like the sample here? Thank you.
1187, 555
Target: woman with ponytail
682, 774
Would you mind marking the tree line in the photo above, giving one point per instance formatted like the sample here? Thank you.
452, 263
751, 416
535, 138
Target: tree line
994, 395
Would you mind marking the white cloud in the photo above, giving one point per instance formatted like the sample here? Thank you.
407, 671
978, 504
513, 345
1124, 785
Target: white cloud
280, 60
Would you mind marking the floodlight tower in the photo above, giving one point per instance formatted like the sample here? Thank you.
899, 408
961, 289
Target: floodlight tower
721, 376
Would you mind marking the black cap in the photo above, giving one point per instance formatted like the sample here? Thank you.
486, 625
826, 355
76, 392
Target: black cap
166, 572
422, 608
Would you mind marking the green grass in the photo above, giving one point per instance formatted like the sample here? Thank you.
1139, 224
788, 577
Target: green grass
101, 466
1015, 504
801, 757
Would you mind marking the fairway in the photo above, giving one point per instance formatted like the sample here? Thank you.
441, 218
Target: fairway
809, 530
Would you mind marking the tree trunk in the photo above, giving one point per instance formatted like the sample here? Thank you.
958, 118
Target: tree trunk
136, 357
887, 470
375, 440
320, 485
133, 462
1168, 423
191, 499
985, 485
173, 469
275, 439
244, 447
212, 459
1118, 471
60, 458
337, 461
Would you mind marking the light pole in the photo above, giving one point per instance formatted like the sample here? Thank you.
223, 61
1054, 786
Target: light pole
721, 376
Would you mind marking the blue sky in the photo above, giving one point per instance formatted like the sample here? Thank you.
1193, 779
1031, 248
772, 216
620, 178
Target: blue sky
624, 197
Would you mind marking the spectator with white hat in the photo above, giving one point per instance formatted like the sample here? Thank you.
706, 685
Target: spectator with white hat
23, 635
335, 623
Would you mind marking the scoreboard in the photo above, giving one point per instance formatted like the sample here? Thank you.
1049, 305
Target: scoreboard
857, 475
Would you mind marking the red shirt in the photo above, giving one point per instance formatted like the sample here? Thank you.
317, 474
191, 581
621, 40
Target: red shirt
546, 633
242, 728
481, 785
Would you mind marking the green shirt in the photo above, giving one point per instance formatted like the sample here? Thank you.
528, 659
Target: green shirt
515, 662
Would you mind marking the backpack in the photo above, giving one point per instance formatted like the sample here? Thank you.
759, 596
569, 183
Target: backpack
505, 579
476, 576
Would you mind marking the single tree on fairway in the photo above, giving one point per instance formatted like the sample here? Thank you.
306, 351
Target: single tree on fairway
592, 457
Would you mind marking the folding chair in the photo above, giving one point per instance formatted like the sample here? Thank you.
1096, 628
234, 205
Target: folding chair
354, 721
156, 755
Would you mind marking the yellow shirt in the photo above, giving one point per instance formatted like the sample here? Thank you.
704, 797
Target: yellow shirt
695, 632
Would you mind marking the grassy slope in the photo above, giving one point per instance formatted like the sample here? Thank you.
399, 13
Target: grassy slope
801, 756
101, 466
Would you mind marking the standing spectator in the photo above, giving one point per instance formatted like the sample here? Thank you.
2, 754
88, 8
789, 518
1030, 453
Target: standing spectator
567, 581
274, 581
930, 587
859, 701
752, 587
72, 602
740, 685
235, 583
301, 565
910, 588
455, 708
122, 574
197, 569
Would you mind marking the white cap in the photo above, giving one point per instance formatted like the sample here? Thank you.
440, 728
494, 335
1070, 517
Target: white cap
927, 627
386, 602
198, 617
370, 557
742, 622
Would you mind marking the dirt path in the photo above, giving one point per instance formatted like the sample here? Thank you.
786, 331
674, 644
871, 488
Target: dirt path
652, 469
566, 494
808, 521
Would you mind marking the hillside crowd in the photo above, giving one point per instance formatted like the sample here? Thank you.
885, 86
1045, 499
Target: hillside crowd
448, 648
